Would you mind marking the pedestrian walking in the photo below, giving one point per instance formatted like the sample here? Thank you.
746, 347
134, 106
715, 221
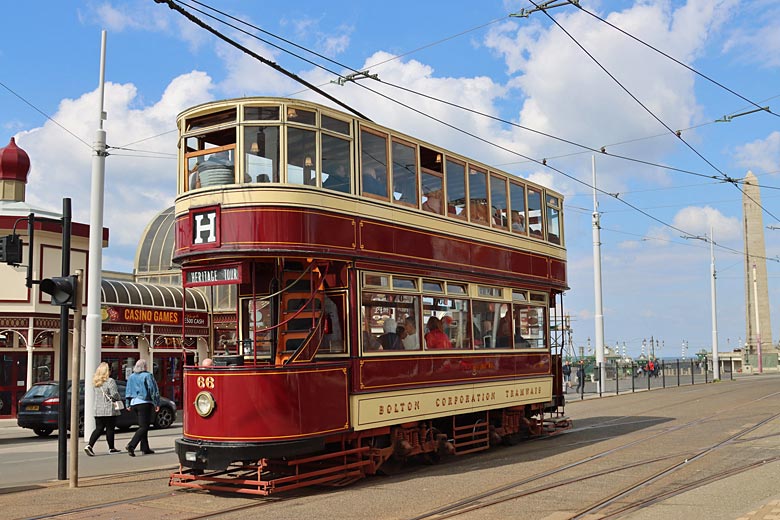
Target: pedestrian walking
566, 376
106, 408
143, 397
581, 376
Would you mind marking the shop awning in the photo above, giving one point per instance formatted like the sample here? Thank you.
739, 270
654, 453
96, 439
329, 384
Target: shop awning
122, 292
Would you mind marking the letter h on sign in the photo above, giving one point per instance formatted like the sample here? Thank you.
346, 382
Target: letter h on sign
204, 229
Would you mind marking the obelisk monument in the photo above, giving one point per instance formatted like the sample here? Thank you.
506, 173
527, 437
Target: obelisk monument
756, 290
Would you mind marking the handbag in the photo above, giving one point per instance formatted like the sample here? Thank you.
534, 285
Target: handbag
118, 405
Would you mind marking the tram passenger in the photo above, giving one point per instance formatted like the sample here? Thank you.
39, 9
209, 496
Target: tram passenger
390, 340
435, 338
374, 181
333, 340
412, 340
433, 201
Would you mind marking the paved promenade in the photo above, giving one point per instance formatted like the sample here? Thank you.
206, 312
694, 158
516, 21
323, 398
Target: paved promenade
47, 497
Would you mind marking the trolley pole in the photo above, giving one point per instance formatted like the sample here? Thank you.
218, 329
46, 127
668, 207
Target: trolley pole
715, 360
599, 312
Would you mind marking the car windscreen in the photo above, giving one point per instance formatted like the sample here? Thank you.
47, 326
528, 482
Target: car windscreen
41, 391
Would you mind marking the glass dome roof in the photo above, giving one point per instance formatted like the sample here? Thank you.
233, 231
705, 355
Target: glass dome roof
156, 246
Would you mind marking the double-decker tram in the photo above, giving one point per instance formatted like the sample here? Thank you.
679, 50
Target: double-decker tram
386, 298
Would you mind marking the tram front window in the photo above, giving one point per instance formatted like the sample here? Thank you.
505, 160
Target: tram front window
262, 157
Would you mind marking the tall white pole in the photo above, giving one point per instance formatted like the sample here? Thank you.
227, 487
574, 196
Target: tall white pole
94, 322
758, 324
599, 312
715, 359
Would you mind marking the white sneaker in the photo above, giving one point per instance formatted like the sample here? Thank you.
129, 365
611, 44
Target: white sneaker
89, 451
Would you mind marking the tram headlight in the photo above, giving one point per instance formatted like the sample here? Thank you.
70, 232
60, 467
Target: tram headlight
204, 403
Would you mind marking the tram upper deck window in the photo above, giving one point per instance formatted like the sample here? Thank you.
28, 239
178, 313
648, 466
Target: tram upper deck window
553, 220
261, 113
498, 196
336, 165
301, 116
217, 118
456, 189
404, 173
432, 192
335, 125
535, 213
211, 168
261, 146
301, 156
373, 164
517, 205
478, 204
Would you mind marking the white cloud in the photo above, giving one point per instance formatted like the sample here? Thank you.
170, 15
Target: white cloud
138, 182
761, 155
699, 220
758, 45
564, 93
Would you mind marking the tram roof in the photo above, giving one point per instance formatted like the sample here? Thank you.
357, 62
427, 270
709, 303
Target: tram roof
122, 292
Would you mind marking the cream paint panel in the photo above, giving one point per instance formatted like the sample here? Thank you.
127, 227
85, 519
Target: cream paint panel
387, 408
13, 288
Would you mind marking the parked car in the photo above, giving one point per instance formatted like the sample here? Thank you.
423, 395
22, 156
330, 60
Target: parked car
39, 409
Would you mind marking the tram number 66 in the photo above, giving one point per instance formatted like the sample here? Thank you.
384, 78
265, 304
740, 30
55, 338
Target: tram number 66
205, 382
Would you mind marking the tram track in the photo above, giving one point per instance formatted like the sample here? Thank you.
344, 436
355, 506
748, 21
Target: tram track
484, 500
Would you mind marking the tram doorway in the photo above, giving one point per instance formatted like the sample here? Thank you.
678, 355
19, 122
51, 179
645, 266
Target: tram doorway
13, 381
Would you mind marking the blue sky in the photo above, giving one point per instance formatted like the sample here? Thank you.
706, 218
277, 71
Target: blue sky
523, 70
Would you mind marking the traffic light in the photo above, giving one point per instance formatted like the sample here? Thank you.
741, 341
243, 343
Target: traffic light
62, 290
11, 249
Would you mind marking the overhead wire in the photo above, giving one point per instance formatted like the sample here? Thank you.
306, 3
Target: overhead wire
659, 51
651, 113
540, 162
9, 89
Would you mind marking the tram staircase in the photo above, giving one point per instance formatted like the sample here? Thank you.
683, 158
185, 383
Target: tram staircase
301, 312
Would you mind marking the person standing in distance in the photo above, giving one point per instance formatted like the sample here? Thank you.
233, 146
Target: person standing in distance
143, 397
106, 394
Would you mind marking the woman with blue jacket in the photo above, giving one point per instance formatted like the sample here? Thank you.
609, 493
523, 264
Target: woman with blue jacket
142, 397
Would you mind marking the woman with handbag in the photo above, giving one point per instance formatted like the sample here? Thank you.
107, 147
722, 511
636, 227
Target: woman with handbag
108, 405
143, 398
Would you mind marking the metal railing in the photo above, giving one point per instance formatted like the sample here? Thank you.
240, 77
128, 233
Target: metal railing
635, 377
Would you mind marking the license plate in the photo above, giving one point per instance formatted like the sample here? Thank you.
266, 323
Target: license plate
32, 407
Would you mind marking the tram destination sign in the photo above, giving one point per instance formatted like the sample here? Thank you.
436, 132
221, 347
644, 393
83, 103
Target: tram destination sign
217, 275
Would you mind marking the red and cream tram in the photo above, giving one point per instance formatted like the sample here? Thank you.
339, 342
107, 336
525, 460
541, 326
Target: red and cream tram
392, 298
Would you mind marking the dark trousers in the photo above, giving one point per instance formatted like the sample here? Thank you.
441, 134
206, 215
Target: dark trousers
144, 412
103, 424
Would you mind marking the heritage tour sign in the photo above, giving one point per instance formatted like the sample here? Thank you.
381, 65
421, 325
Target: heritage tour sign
219, 275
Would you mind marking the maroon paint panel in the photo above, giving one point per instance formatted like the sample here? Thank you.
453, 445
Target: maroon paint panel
370, 374
266, 405
313, 231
